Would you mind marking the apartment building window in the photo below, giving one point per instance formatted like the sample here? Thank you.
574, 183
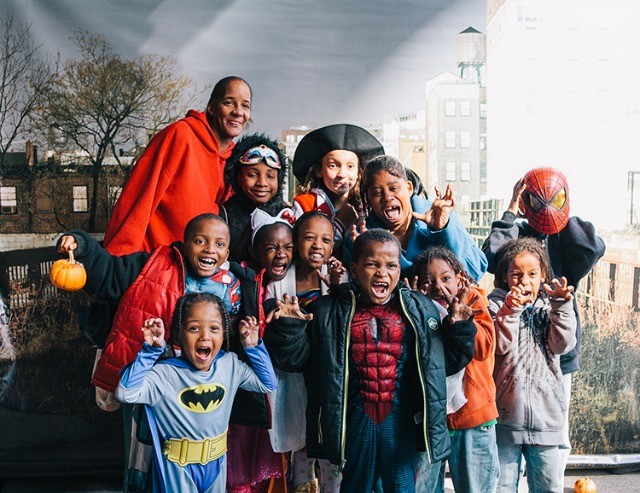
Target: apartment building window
449, 139
44, 200
450, 171
465, 139
465, 201
449, 108
8, 201
44, 205
465, 171
80, 203
465, 108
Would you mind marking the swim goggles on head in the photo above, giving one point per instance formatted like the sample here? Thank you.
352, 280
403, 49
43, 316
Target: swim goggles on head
261, 153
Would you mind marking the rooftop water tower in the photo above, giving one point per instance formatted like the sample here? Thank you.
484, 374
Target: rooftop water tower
471, 54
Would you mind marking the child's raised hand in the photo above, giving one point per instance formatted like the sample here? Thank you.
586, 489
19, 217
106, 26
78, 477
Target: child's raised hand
357, 229
67, 244
458, 308
288, 308
515, 297
518, 188
560, 289
335, 272
153, 332
413, 285
249, 330
437, 216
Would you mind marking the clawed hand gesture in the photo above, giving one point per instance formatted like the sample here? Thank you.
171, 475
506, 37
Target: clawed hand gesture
249, 330
437, 216
357, 229
415, 285
516, 297
335, 272
153, 332
458, 308
288, 308
559, 289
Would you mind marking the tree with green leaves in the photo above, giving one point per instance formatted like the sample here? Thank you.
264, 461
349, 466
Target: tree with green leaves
25, 77
102, 102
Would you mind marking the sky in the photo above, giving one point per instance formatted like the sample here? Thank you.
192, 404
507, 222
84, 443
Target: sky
309, 62
317, 62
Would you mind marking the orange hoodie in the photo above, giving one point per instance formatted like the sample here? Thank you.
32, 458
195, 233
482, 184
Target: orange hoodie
479, 388
179, 175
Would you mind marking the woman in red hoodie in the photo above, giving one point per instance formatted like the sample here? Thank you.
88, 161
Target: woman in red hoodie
181, 173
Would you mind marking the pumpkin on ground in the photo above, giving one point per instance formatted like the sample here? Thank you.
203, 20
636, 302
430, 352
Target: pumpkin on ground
584, 485
68, 274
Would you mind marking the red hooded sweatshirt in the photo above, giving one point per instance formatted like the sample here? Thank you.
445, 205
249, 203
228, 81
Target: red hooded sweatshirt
179, 175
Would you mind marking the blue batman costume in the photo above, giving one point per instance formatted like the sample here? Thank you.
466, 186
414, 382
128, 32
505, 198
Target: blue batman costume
189, 411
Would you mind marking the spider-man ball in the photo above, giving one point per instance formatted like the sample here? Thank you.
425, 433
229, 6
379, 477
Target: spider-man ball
545, 200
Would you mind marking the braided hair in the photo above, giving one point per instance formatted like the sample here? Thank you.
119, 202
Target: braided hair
184, 306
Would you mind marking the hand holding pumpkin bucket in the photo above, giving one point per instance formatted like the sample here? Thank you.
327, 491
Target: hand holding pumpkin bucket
68, 275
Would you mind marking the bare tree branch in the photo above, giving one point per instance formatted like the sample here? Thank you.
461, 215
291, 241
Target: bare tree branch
102, 102
24, 79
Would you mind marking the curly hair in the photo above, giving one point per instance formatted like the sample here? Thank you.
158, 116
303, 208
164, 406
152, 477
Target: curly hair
185, 305
424, 258
233, 166
513, 248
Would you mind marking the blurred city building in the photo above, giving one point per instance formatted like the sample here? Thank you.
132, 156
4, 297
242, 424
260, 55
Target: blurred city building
456, 126
41, 198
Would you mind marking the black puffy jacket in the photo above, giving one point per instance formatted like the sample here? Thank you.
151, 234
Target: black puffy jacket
320, 349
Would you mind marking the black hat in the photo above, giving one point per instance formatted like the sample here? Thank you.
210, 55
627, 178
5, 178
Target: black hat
343, 136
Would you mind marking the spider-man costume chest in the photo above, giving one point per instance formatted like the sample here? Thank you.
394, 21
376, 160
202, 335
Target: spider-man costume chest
377, 348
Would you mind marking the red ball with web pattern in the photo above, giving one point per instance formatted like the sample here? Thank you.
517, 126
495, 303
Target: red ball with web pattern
545, 200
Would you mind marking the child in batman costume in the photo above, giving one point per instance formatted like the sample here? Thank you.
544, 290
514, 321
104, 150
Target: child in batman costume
188, 399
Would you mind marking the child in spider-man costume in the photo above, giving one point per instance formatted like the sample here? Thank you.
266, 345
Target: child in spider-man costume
375, 358
541, 197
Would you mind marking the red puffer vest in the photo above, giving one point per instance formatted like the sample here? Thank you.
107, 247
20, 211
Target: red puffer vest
154, 293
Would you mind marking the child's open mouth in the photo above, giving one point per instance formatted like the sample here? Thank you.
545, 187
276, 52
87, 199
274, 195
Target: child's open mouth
203, 352
380, 289
207, 263
392, 214
278, 269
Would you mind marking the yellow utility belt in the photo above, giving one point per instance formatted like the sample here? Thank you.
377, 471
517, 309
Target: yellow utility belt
185, 451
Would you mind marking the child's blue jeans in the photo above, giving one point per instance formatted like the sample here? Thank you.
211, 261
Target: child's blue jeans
473, 464
542, 468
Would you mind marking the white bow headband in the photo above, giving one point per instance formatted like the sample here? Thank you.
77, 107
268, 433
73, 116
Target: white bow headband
260, 218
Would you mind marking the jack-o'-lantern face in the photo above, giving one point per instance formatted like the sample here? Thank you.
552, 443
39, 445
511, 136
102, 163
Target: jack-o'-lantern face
545, 200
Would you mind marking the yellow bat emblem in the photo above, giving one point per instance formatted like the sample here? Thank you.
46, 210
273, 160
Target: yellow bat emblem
202, 398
